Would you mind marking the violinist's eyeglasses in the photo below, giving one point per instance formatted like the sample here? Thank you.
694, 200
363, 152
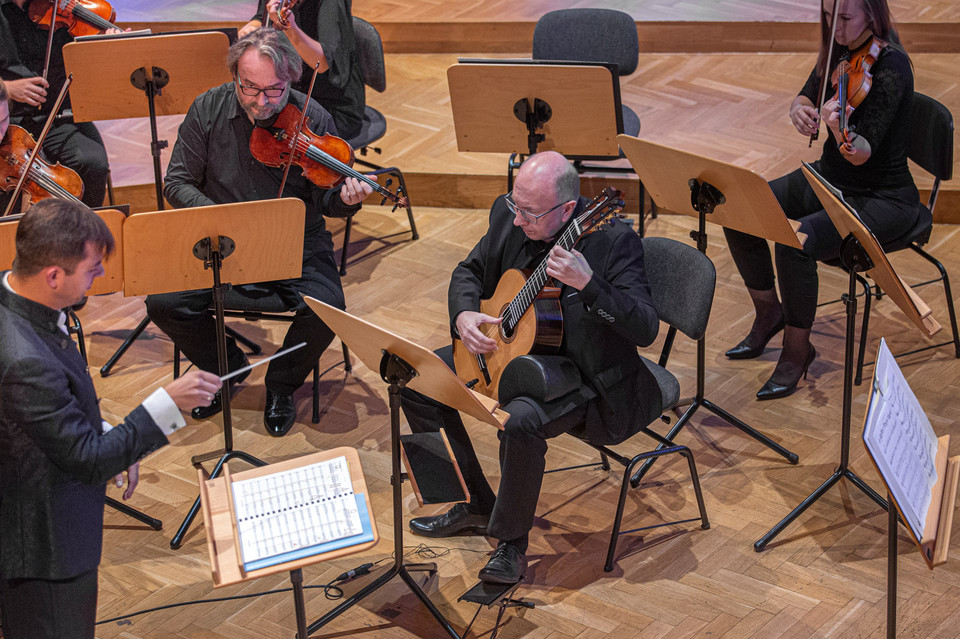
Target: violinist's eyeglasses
270, 92
527, 215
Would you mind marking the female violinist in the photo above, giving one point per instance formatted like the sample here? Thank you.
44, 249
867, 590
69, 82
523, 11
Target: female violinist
870, 168
322, 30
22, 61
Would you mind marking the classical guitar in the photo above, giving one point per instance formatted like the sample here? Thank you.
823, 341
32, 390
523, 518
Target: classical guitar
529, 309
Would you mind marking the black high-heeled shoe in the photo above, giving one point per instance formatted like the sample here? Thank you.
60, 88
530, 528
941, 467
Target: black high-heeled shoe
745, 351
774, 390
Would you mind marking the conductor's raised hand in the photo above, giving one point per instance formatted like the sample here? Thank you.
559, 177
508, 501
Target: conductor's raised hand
354, 191
569, 267
193, 389
469, 325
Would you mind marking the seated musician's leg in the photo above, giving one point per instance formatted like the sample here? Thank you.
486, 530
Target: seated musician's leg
186, 319
425, 415
286, 374
80, 147
523, 448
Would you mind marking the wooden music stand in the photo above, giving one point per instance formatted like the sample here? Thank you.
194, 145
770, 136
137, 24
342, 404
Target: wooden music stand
241, 243
402, 364
219, 515
522, 106
894, 416
110, 282
859, 252
724, 194
114, 75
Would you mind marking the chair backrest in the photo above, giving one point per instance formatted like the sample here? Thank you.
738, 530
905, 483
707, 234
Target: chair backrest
589, 35
682, 282
370, 55
931, 140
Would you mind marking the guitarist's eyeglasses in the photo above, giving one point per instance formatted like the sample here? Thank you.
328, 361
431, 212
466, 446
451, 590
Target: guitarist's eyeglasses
527, 215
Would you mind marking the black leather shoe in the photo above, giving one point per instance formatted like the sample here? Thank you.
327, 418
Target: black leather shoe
279, 413
776, 390
216, 405
456, 521
507, 566
743, 350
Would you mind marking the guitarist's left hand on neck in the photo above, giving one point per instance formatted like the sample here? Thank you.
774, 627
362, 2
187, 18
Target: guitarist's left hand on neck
569, 267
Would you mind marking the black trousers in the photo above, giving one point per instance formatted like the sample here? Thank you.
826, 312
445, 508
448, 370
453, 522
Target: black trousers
42, 609
186, 318
888, 213
80, 147
523, 448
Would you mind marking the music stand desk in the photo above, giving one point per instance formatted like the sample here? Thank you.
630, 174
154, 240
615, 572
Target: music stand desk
584, 101
112, 279
102, 69
750, 205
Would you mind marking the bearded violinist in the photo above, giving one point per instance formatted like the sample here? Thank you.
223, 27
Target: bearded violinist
870, 169
322, 30
211, 163
76, 145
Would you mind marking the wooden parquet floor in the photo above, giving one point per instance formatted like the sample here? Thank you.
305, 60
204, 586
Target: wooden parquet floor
824, 577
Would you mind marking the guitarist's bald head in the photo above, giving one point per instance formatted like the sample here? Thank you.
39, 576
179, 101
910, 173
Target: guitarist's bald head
550, 169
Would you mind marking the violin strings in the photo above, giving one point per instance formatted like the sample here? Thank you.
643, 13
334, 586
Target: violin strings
51, 185
336, 165
89, 16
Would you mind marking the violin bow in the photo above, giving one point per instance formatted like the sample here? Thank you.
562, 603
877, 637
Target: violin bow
54, 6
296, 137
824, 72
38, 145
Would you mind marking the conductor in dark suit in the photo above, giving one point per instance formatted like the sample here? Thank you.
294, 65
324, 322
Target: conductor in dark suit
607, 314
56, 453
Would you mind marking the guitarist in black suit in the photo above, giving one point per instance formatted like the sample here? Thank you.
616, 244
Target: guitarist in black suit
607, 314
57, 453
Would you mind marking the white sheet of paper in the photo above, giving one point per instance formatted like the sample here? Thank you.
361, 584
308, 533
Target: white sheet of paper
295, 509
901, 440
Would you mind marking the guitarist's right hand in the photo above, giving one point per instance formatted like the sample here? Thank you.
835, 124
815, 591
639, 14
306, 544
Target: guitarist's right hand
476, 341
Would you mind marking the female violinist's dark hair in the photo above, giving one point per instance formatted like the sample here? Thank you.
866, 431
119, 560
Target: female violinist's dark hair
270, 43
55, 232
880, 24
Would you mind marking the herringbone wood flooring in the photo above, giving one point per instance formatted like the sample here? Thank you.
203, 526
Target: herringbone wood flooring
823, 578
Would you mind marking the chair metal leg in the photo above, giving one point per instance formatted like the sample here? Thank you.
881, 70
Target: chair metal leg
316, 392
347, 365
947, 291
127, 343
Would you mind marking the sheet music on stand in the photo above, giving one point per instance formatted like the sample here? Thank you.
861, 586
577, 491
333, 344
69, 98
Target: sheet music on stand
290, 514
911, 459
902, 441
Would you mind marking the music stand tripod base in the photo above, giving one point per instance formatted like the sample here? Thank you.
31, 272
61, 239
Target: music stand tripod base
855, 259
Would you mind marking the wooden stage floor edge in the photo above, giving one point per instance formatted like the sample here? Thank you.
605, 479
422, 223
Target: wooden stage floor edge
655, 37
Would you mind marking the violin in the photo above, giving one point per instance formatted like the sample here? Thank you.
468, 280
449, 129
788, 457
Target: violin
852, 80
44, 180
325, 159
79, 17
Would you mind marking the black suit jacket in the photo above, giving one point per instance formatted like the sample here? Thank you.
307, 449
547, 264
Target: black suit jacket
54, 458
602, 325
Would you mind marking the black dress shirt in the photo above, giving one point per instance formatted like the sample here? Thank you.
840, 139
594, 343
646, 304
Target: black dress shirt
211, 163
339, 89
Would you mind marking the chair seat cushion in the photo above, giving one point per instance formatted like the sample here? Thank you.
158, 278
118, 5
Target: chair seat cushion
669, 386
919, 233
631, 121
373, 128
